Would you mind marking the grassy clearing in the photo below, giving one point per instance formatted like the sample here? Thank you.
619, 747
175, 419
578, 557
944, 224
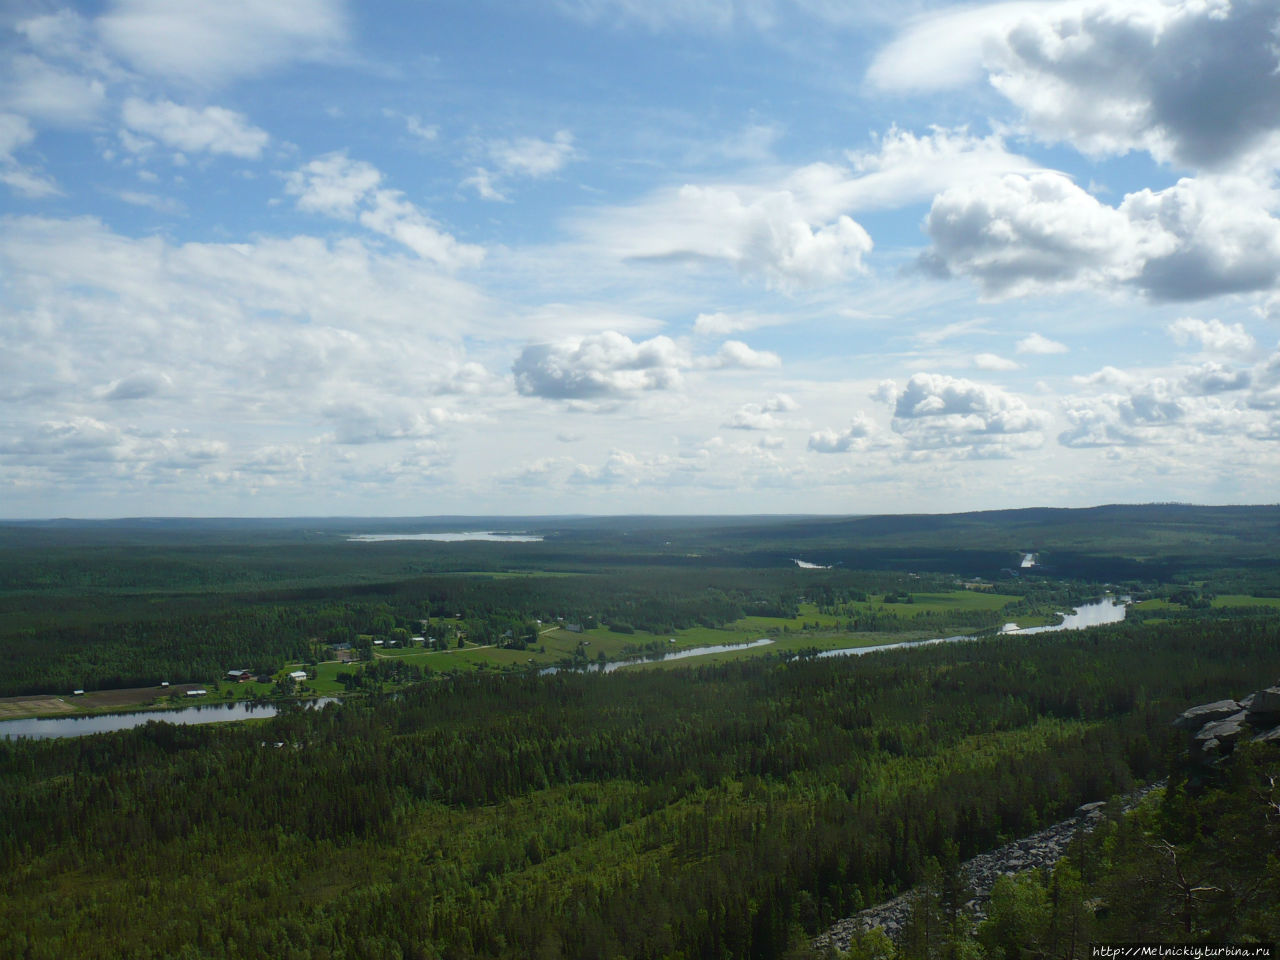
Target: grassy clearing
808, 630
1242, 600
16, 708
954, 601
1219, 602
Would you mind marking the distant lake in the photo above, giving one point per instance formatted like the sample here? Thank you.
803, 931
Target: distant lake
484, 535
42, 728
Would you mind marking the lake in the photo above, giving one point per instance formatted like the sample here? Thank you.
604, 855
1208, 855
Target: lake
41, 728
453, 537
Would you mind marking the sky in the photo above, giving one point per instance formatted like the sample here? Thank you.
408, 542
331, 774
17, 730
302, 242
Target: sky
636, 256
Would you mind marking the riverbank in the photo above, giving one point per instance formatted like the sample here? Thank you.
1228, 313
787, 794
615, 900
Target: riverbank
227, 711
95, 702
1107, 610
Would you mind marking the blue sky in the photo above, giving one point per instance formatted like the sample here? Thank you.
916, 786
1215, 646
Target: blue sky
606, 256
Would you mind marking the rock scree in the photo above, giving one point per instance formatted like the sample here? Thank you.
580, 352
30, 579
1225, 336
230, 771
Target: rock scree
1213, 729
1042, 849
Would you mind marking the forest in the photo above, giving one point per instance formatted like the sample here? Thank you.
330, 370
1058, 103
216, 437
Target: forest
729, 808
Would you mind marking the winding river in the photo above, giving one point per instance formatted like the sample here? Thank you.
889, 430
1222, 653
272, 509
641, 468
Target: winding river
42, 728
1106, 610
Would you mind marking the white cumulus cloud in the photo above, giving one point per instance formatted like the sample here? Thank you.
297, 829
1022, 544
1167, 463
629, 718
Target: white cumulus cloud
16, 133
603, 365
527, 157
336, 186
766, 234
992, 361
531, 157
734, 354
1190, 81
935, 412
211, 130
1036, 343
762, 416
1018, 235
858, 436
1213, 336
213, 41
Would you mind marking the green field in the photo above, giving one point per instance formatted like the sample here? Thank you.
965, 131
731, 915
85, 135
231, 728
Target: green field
726, 804
1225, 601
808, 630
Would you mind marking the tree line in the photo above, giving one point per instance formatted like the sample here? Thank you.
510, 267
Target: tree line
728, 811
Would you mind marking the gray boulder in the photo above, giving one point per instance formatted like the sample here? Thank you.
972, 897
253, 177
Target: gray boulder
1225, 731
1268, 736
1216, 739
1265, 702
1197, 717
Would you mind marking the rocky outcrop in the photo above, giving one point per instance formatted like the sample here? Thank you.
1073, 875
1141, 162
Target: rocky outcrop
1269, 736
1214, 729
1042, 849
1197, 717
1264, 703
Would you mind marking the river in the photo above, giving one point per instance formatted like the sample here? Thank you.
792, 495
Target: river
1106, 610
486, 536
42, 728
612, 665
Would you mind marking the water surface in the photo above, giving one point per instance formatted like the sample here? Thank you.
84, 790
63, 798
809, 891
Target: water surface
41, 728
450, 537
660, 658
1106, 610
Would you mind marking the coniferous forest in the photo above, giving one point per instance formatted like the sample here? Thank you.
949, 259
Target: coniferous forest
724, 807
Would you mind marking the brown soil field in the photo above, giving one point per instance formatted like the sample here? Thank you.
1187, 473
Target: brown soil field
11, 708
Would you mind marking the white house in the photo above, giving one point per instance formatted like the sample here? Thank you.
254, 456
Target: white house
299, 675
